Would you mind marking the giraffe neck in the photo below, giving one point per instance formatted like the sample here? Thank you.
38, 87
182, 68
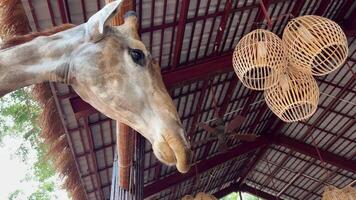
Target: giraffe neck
42, 59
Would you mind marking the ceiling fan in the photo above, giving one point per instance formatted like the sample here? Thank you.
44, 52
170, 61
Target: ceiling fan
222, 132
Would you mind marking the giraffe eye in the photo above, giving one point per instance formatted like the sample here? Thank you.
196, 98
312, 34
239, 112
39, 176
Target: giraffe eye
138, 56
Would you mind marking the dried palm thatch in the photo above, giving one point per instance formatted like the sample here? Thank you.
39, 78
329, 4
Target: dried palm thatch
52, 129
333, 193
12, 19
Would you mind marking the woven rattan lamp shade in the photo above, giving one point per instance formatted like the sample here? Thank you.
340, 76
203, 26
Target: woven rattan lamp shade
294, 98
315, 44
259, 59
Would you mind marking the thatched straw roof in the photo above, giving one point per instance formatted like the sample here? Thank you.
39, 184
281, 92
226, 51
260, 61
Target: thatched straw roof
13, 21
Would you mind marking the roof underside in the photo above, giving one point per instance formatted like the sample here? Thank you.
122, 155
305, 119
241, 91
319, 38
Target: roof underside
195, 54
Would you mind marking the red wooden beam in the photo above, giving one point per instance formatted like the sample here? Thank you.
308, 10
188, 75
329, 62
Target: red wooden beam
350, 23
81, 108
180, 32
33, 13
62, 11
344, 10
322, 7
199, 105
106, 168
310, 150
205, 165
261, 15
264, 9
272, 135
96, 149
51, 12
82, 2
245, 148
222, 26
93, 155
297, 7
251, 165
199, 70
228, 96
68, 11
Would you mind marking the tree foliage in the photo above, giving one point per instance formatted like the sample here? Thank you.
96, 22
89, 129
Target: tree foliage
18, 118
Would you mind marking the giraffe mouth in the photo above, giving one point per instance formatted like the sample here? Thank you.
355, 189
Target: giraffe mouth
173, 150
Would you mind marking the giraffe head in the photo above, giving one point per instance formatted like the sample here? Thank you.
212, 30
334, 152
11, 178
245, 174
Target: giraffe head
113, 71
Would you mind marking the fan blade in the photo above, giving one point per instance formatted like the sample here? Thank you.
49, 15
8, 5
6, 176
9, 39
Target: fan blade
207, 128
200, 142
243, 137
235, 123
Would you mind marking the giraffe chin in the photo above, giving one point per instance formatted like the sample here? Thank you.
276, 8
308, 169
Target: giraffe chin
173, 153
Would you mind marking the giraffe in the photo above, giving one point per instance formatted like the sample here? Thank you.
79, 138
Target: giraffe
111, 69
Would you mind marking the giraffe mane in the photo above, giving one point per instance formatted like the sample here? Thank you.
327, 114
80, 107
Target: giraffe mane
20, 39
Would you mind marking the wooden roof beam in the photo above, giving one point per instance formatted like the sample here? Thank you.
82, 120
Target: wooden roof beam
124, 134
250, 164
344, 10
180, 32
243, 148
205, 165
310, 150
93, 156
322, 7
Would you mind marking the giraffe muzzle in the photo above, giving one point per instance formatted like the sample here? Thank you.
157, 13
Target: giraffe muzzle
173, 150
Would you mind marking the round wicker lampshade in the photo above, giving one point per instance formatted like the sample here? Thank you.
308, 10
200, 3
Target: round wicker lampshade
315, 44
295, 97
259, 59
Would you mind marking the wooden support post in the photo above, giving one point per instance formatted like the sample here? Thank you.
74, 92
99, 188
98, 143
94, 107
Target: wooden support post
125, 136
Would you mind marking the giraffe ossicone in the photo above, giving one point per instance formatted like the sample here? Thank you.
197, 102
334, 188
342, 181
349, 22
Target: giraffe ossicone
110, 68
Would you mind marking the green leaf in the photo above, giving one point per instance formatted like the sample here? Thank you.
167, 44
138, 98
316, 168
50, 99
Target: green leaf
18, 118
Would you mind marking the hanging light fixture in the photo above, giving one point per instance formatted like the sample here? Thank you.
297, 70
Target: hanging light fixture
295, 97
315, 44
259, 59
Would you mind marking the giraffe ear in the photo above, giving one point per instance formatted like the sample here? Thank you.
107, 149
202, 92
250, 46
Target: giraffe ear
95, 27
